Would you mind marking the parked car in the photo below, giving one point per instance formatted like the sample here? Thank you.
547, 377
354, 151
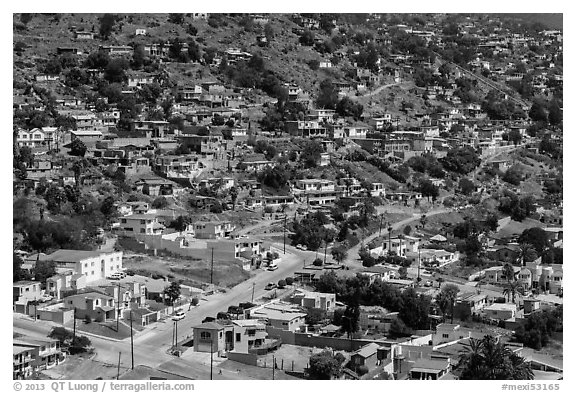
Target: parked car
178, 315
272, 266
270, 286
302, 247
117, 276
428, 283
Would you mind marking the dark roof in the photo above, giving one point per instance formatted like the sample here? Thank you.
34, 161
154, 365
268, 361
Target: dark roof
209, 326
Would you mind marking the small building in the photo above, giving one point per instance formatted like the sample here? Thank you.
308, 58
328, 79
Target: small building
209, 337
425, 369
366, 356
98, 306
501, 311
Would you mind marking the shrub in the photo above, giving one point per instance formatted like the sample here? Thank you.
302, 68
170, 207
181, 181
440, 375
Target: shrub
318, 262
281, 283
87, 319
289, 280
195, 301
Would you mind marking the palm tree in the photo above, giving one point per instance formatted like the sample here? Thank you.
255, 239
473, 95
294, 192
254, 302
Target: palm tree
508, 272
514, 288
527, 253
490, 359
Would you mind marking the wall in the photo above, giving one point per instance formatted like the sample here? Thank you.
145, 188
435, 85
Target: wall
308, 340
61, 317
245, 358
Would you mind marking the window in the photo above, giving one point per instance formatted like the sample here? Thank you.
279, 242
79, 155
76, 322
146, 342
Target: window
92, 264
205, 335
251, 332
142, 230
444, 335
238, 337
220, 335
123, 221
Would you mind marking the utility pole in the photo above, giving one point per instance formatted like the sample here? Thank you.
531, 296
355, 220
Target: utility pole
173, 336
131, 340
380, 230
389, 238
211, 356
176, 334
118, 311
212, 268
418, 279
285, 215
253, 287
273, 366
118, 374
74, 331
325, 250
35, 307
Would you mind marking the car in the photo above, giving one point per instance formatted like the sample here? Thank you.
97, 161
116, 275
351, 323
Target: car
178, 315
117, 276
272, 267
302, 247
428, 283
270, 286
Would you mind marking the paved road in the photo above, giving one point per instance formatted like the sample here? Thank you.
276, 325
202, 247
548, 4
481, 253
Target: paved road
353, 258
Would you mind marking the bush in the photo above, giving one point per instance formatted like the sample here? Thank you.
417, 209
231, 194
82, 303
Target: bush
195, 301
289, 280
318, 262
281, 284
362, 370
87, 319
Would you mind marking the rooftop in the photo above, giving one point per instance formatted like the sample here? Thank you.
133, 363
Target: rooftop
74, 255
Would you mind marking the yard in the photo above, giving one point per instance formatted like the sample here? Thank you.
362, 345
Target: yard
289, 357
192, 271
106, 329
77, 367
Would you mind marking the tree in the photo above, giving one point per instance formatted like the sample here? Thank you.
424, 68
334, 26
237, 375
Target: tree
348, 108
317, 262
306, 38
108, 207
115, 71
398, 329
536, 237
407, 230
107, 22
177, 19
403, 272
428, 189
527, 253
536, 331
315, 316
489, 359
180, 223
289, 280
462, 160
194, 51
466, 186
350, 318
311, 153
324, 366
445, 299
77, 148
172, 293
160, 203
512, 289
233, 196
515, 137
339, 253
423, 220
43, 270
17, 272
327, 95
538, 112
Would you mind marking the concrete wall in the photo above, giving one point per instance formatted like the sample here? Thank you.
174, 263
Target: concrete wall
309, 340
58, 316
245, 358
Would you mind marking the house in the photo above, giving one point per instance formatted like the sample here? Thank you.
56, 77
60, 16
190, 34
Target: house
22, 362
282, 316
213, 229
377, 190
140, 32
24, 292
85, 135
95, 305
32, 354
432, 257
209, 337
469, 304
322, 115
316, 191
155, 186
117, 50
425, 369
58, 284
448, 333
500, 311
95, 265
84, 35
306, 129
134, 224
375, 318
249, 334
366, 356
308, 299
531, 305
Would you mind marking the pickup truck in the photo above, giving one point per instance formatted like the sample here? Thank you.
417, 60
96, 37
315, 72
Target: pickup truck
270, 286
